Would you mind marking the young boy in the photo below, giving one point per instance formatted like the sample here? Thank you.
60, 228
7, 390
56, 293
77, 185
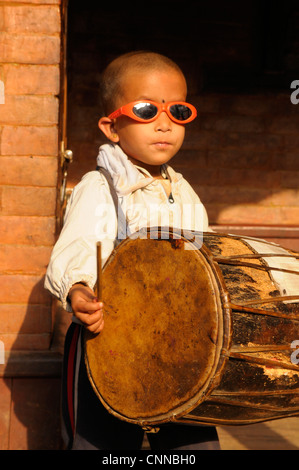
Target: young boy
143, 136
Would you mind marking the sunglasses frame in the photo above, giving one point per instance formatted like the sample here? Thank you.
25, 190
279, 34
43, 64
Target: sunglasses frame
127, 110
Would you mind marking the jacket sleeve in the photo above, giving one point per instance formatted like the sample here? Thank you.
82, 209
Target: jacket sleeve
90, 217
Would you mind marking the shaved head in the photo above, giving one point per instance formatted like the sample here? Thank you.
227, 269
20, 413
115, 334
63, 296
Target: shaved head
115, 73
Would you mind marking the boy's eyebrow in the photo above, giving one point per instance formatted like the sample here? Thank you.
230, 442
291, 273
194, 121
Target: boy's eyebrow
145, 98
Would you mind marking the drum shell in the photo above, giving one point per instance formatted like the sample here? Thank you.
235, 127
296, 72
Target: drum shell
261, 380
251, 377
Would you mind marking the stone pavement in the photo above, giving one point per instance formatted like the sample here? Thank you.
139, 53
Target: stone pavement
282, 434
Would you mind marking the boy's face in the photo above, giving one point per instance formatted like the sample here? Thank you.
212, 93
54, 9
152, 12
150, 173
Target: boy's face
156, 142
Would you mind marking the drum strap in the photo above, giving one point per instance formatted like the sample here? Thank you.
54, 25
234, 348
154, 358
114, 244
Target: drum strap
122, 230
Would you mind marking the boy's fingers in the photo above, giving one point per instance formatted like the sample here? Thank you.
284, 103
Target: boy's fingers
89, 307
96, 327
90, 318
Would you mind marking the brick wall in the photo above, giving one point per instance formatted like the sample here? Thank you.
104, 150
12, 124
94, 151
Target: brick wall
29, 70
29, 56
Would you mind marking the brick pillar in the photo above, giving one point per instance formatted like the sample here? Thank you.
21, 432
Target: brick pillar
29, 74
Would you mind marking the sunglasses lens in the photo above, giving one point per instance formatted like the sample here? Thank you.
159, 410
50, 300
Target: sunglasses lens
180, 112
145, 110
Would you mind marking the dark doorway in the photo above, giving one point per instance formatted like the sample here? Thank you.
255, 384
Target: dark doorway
227, 50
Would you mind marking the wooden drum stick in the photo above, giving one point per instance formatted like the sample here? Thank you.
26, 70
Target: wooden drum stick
99, 271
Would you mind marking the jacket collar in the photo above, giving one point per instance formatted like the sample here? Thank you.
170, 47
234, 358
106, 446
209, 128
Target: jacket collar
127, 177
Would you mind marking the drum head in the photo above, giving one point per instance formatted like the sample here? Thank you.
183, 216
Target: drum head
159, 351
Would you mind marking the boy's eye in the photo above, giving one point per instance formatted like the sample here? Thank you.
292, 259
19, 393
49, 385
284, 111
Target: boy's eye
180, 112
145, 110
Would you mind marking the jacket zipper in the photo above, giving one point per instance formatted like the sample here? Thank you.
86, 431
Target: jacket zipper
171, 198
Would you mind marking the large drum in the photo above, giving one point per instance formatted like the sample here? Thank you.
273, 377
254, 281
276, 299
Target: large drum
197, 333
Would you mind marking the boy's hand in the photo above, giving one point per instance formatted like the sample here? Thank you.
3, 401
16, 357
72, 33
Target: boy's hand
86, 307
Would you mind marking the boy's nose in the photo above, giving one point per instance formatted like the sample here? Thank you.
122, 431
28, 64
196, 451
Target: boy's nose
163, 122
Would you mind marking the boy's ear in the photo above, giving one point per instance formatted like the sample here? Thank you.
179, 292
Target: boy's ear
106, 125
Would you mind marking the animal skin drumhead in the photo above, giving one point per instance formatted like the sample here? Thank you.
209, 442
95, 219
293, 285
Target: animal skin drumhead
158, 352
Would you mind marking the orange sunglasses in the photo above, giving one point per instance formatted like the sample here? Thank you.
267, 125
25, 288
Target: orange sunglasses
147, 111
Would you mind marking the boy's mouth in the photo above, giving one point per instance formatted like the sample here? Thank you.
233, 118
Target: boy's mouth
162, 144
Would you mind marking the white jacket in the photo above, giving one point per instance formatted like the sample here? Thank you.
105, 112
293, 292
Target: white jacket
91, 217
